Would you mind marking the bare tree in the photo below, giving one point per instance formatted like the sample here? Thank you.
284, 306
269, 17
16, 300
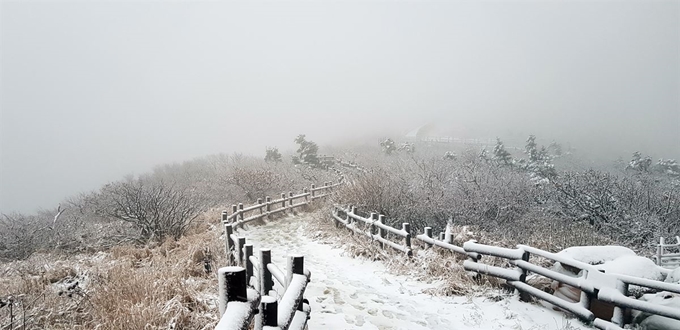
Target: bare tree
156, 208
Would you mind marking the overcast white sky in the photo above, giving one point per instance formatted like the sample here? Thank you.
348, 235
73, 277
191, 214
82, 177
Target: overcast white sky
91, 91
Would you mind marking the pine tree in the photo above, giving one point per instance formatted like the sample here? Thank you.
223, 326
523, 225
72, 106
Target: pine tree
272, 155
500, 155
307, 152
531, 149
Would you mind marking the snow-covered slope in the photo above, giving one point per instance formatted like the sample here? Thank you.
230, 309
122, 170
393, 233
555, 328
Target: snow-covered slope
349, 293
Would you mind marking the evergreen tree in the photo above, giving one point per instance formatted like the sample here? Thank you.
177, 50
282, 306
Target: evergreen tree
639, 163
272, 155
307, 152
531, 149
500, 155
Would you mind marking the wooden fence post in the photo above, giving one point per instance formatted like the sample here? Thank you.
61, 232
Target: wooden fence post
371, 228
232, 286
524, 296
448, 236
441, 236
259, 202
234, 210
268, 207
240, 210
584, 300
229, 244
295, 266
290, 195
382, 232
618, 317
659, 251
407, 240
428, 233
337, 212
225, 216
266, 281
304, 191
268, 316
352, 210
241, 246
249, 264
283, 198
312, 190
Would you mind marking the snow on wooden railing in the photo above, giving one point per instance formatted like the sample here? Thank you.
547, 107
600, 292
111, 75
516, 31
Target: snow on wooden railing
269, 207
374, 227
607, 287
242, 296
241, 293
667, 260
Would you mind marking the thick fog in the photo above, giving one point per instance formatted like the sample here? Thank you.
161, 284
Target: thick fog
92, 91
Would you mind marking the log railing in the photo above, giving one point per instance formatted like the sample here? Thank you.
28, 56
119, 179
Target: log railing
610, 288
241, 215
664, 259
374, 227
246, 285
607, 287
242, 294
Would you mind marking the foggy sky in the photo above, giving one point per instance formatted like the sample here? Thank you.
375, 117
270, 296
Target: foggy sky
93, 91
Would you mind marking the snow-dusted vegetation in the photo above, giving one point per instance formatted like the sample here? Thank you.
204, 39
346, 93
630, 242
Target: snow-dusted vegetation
538, 196
65, 268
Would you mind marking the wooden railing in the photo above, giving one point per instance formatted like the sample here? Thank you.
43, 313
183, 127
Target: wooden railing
241, 215
375, 228
607, 287
667, 260
241, 293
610, 288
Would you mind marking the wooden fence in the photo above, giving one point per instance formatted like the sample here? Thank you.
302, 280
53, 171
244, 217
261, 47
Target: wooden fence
241, 293
668, 260
241, 215
375, 228
609, 288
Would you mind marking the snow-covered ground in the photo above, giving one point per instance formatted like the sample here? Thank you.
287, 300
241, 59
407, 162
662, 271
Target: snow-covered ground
350, 293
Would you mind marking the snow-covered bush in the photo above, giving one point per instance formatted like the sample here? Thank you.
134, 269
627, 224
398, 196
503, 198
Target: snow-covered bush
407, 147
388, 146
668, 166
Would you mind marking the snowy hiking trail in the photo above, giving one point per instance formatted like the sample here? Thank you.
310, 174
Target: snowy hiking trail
353, 293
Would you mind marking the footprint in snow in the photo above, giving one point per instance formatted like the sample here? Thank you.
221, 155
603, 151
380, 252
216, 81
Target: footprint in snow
388, 314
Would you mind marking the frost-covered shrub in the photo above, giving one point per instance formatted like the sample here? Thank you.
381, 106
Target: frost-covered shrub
388, 146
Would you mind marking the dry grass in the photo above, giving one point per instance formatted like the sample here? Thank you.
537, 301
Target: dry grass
161, 286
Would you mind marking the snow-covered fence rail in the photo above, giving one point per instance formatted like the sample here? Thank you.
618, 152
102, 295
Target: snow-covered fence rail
241, 293
241, 215
243, 296
350, 165
374, 227
668, 260
445, 241
606, 287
